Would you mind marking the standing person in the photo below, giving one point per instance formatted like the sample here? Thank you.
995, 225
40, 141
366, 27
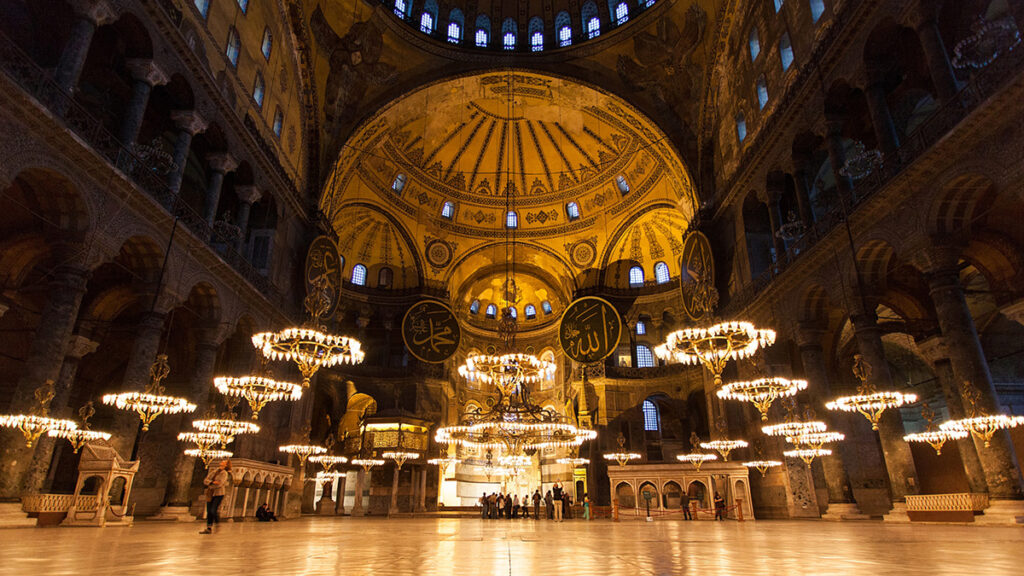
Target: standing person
567, 505
685, 501
556, 494
216, 482
526, 505
536, 504
501, 506
483, 506
492, 507
586, 506
549, 506
719, 507
515, 506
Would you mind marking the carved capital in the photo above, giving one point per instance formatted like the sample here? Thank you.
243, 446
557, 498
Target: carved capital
248, 194
80, 346
222, 162
146, 70
938, 258
189, 120
99, 12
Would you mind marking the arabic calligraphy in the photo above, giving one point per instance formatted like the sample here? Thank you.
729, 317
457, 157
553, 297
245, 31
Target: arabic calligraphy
590, 330
700, 297
431, 332
323, 270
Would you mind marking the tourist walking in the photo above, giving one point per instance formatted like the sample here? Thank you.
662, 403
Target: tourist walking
684, 500
556, 495
536, 504
586, 506
719, 507
501, 506
216, 482
549, 506
515, 506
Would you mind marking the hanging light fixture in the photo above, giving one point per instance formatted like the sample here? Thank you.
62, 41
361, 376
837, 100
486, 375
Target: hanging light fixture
696, 458
714, 346
868, 401
934, 436
794, 428
815, 439
367, 463
622, 456
762, 466
327, 476
400, 457
807, 454
258, 391
151, 403
208, 455
302, 451
328, 461
762, 392
227, 428
724, 447
79, 437
507, 371
444, 462
983, 426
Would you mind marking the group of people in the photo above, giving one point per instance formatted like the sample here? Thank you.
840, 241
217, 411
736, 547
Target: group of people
557, 505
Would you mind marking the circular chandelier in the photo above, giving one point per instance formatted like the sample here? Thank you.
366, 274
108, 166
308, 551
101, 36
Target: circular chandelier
444, 463
32, 426
258, 391
208, 455
226, 428
868, 401
203, 440
794, 428
991, 39
724, 447
367, 463
401, 457
152, 402
507, 371
714, 346
79, 437
310, 347
762, 392
815, 439
762, 466
327, 476
302, 451
575, 462
622, 456
328, 461
937, 438
696, 458
807, 454
860, 162
983, 427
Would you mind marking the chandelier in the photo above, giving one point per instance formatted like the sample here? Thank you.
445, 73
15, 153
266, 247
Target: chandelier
327, 476
203, 440
622, 456
724, 447
807, 454
258, 391
868, 401
983, 426
151, 403
696, 458
34, 425
367, 463
792, 229
815, 439
762, 466
79, 437
575, 462
507, 371
400, 457
714, 346
328, 461
933, 436
990, 40
227, 428
861, 162
208, 455
794, 428
302, 451
762, 392
310, 347
444, 462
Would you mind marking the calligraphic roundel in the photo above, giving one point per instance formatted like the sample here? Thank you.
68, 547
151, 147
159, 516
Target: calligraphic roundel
323, 268
590, 329
698, 276
431, 331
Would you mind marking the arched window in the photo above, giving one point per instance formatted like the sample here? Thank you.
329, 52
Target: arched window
278, 122
546, 307
647, 3
513, 312
536, 32
741, 127
203, 6
661, 274
474, 307
448, 210
455, 24
385, 277
762, 92
644, 358
491, 311
651, 420
778, 5
401, 9
620, 181
641, 328
268, 43
563, 24
243, 4
755, 44
620, 11
531, 311
258, 88
817, 9
234, 47
509, 31
786, 52
427, 23
399, 184
483, 31
359, 275
572, 210
636, 277
588, 15
511, 219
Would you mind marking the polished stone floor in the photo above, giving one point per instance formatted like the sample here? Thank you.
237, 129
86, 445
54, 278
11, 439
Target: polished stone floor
473, 547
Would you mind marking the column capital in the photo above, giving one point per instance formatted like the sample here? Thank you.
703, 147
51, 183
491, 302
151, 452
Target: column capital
80, 346
934, 349
222, 162
99, 12
69, 278
250, 194
148, 71
189, 121
938, 258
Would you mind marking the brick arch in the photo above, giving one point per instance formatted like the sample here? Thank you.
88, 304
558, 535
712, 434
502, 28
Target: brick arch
961, 205
874, 260
814, 304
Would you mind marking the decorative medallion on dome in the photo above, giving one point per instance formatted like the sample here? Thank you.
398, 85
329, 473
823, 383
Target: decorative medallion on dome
439, 253
583, 252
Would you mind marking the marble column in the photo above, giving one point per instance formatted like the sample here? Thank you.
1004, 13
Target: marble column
841, 504
189, 123
421, 502
247, 196
899, 462
45, 357
925, 22
393, 508
801, 181
177, 501
936, 352
940, 264
148, 332
837, 155
220, 165
39, 474
90, 15
881, 117
774, 197
145, 75
339, 508
357, 502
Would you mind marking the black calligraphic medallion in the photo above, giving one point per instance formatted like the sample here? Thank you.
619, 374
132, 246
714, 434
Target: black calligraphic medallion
698, 276
589, 330
323, 270
430, 331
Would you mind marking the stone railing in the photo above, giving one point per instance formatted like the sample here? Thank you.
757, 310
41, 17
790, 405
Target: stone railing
22, 70
47, 503
947, 502
627, 372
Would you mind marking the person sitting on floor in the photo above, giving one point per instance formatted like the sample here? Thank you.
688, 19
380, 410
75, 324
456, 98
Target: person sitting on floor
264, 514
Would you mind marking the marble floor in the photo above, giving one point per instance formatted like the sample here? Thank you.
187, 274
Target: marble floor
372, 546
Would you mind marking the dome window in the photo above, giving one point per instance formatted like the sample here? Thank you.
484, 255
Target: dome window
511, 219
620, 181
572, 211
531, 311
641, 328
359, 275
762, 93
474, 307
786, 52
448, 211
546, 307
755, 44
636, 277
661, 274
491, 312
481, 38
399, 184
621, 13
